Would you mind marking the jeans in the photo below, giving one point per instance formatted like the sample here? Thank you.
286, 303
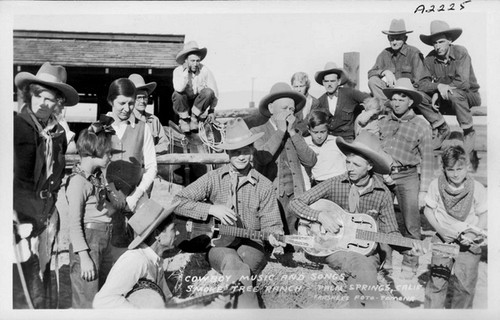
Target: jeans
182, 104
361, 276
407, 187
243, 261
463, 281
432, 116
103, 254
460, 102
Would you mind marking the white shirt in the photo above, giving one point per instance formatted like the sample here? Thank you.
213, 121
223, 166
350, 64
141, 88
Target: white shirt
132, 265
201, 80
332, 103
331, 161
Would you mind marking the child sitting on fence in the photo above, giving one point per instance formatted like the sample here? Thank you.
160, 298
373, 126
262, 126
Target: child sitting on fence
456, 206
368, 118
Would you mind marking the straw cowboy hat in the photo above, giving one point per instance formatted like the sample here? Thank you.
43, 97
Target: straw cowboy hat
238, 135
140, 84
331, 67
397, 27
148, 215
404, 85
367, 145
440, 28
51, 76
281, 90
190, 47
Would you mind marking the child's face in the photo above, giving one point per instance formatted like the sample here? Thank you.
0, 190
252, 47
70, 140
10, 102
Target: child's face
456, 174
319, 134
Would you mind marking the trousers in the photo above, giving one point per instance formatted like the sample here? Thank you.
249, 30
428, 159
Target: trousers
184, 106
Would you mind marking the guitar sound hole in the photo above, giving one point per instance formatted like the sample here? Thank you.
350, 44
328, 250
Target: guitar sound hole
361, 221
350, 244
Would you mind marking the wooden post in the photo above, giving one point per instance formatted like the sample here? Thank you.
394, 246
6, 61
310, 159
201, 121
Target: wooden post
351, 66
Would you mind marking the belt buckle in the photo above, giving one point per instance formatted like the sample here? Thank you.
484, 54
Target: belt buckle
45, 194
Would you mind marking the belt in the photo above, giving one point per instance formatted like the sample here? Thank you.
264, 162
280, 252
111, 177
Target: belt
99, 226
401, 168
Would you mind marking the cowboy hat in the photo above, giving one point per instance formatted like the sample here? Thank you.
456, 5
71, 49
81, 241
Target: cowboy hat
281, 90
51, 76
190, 47
440, 28
148, 215
404, 85
238, 135
140, 84
367, 145
331, 67
397, 27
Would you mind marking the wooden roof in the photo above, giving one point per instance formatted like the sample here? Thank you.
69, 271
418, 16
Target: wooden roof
76, 49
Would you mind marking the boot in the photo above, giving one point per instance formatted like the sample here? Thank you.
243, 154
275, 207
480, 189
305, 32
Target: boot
441, 133
184, 124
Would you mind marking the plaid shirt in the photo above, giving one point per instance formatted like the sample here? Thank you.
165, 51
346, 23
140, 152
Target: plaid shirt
256, 202
409, 141
376, 197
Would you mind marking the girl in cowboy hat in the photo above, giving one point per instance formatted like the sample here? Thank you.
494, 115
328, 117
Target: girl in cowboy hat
39, 147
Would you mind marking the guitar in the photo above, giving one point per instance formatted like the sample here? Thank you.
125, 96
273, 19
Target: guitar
358, 233
199, 236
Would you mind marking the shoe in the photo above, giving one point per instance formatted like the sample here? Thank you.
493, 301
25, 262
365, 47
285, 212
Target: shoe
193, 124
184, 125
441, 133
469, 140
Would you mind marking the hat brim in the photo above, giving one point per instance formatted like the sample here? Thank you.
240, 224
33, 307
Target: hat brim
339, 72
298, 98
181, 56
414, 95
23, 79
453, 34
242, 143
380, 162
395, 33
149, 87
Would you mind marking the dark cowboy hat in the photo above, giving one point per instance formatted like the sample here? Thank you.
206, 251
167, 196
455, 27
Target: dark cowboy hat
281, 90
367, 145
190, 47
397, 27
238, 135
51, 76
440, 28
140, 84
331, 67
404, 85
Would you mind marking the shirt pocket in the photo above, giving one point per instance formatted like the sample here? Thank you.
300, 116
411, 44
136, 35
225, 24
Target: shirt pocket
406, 72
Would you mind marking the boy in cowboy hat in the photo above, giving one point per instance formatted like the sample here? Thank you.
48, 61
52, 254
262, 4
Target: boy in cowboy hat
357, 191
236, 190
342, 104
280, 150
195, 95
144, 90
454, 83
39, 147
408, 140
401, 60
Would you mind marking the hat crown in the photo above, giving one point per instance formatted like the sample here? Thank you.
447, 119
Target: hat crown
403, 83
280, 87
369, 140
438, 26
237, 131
330, 65
52, 73
137, 79
191, 45
397, 25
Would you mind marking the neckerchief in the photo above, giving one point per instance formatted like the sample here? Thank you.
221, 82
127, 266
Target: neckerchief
96, 179
457, 203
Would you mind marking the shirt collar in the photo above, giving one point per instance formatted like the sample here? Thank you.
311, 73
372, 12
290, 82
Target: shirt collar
406, 117
251, 176
150, 253
130, 121
403, 50
375, 183
142, 117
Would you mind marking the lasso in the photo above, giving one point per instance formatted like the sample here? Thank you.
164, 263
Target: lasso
206, 134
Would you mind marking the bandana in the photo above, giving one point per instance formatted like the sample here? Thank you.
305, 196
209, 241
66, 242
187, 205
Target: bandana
97, 181
457, 203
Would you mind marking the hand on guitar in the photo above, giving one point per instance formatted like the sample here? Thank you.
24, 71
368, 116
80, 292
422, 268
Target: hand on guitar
417, 249
330, 221
223, 213
275, 242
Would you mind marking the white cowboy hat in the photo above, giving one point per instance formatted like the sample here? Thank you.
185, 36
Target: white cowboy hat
367, 145
281, 90
404, 85
440, 28
238, 135
51, 76
397, 27
140, 84
331, 67
190, 47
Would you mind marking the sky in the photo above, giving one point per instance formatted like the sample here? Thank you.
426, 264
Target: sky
267, 42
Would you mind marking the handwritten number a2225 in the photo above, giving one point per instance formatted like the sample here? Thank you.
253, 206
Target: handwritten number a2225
432, 8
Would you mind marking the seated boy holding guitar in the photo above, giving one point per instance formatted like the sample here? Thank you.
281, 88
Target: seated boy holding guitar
238, 195
456, 206
356, 191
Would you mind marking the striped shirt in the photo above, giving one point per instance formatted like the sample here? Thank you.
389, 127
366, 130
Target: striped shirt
376, 201
408, 140
257, 205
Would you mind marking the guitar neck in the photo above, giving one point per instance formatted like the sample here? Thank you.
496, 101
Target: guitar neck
242, 233
384, 238
195, 301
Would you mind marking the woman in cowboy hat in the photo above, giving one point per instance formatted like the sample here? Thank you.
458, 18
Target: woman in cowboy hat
39, 147
236, 190
195, 95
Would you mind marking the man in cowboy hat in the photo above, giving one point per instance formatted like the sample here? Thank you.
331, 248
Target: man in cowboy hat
408, 140
280, 150
357, 191
236, 191
342, 104
39, 147
144, 90
454, 83
195, 95
401, 60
